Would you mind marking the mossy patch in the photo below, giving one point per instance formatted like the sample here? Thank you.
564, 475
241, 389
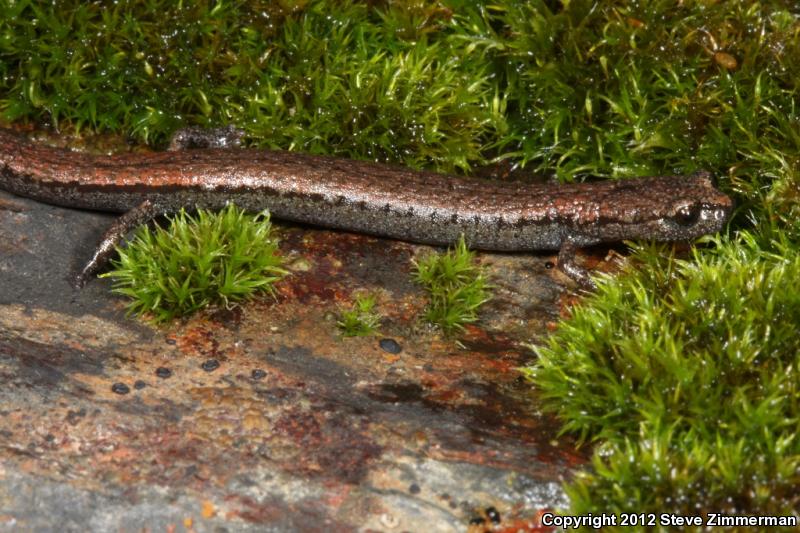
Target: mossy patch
361, 319
456, 285
686, 373
207, 259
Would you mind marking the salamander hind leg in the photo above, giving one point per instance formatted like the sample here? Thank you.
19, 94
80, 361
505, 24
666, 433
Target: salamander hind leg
568, 265
140, 214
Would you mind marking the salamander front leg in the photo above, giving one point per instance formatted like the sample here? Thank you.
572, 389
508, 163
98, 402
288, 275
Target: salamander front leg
192, 138
569, 266
137, 216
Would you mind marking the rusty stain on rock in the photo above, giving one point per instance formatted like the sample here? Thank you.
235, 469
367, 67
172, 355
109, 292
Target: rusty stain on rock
296, 429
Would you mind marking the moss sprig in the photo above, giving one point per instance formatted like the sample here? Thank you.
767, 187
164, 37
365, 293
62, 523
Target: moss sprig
361, 319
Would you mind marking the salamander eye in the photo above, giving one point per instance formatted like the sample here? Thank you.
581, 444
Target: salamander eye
687, 214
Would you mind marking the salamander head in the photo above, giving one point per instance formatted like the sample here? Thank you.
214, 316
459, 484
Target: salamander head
669, 208
701, 209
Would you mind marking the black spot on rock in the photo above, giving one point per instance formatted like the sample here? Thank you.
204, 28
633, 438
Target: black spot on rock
390, 345
120, 388
210, 365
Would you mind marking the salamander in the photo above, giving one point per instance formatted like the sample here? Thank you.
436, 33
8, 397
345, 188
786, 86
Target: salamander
366, 197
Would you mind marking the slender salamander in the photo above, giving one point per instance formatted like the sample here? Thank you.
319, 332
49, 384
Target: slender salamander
364, 197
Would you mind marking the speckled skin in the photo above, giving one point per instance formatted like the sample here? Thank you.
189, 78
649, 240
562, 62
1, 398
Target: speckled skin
367, 197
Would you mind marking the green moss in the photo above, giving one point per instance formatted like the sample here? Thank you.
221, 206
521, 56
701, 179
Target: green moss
457, 287
361, 319
686, 373
211, 258
377, 83
572, 88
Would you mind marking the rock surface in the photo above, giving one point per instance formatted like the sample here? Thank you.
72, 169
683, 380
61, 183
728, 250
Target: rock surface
261, 418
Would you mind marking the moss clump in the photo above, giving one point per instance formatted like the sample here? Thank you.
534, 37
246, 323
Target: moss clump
361, 319
456, 285
336, 77
687, 375
210, 258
